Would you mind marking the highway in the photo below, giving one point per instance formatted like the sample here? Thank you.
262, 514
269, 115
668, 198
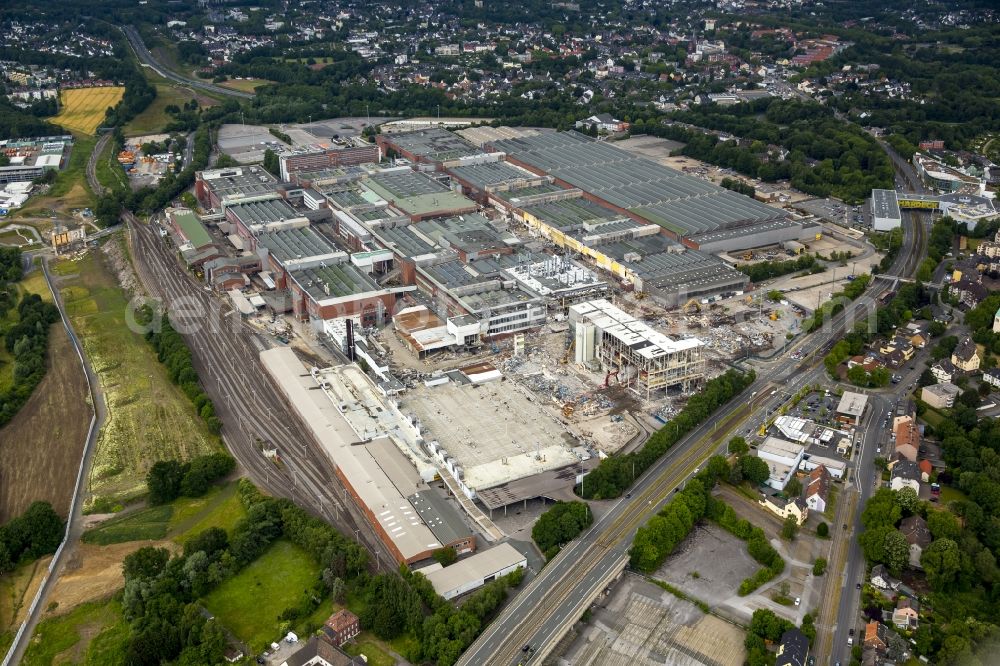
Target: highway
252, 410
147, 59
551, 602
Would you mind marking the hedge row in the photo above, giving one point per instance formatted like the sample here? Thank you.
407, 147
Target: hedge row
615, 474
757, 545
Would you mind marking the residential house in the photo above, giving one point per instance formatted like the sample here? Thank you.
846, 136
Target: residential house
907, 436
876, 636
907, 613
320, 651
342, 626
881, 579
966, 355
817, 489
943, 371
992, 377
793, 649
905, 474
996, 322
786, 507
940, 396
914, 528
926, 469
969, 293
602, 121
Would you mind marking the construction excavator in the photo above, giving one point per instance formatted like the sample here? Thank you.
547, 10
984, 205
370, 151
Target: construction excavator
691, 307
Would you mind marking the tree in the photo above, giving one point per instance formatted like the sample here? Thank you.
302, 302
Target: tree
882, 509
907, 500
271, 162
789, 528
738, 446
942, 562
943, 525
822, 530
164, 481
794, 487
819, 566
896, 551
446, 556
754, 469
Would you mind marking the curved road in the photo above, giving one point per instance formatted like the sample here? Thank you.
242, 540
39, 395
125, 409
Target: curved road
147, 59
95, 185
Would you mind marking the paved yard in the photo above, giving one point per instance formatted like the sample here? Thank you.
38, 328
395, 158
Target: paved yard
709, 565
643, 625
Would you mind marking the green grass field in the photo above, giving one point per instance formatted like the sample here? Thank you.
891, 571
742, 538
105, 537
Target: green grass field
179, 520
149, 419
154, 118
269, 585
368, 645
949, 494
245, 85
109, 172
91, 634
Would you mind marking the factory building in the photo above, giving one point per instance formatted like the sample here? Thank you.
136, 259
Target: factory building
637, 254
216, 188
640, 357
479, 181
418, 195
964, 207
686, 208
31, 158
373, 469
435, 147
473, 572
321, 157
783, 459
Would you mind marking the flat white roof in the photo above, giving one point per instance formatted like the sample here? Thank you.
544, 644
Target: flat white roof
482, 565
852, 404
356, 462
780, 447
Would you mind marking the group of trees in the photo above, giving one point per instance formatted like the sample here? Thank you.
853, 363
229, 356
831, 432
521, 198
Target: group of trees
616, 473
173, 352
169, 479
765, 628
407, 603
28, 341
910, 300
765, 270
160, 600
757, 544
36, 532
737, 185
825, 156
659, 537
560, 525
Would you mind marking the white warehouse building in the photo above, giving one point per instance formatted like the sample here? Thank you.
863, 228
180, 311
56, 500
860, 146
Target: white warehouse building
783, 459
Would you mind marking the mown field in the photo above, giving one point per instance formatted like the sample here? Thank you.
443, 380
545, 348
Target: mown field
92, 634
269, 585
155, 117
82, 109
44, 441
149, 419
245, 85
177, 521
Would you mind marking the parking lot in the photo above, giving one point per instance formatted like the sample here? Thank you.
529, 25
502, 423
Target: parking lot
835, 211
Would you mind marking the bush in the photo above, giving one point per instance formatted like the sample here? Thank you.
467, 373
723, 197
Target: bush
822, 530
560, 525
819, 566
169, 479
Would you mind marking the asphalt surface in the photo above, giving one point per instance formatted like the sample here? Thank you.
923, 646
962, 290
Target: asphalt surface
254, 413
147, 59
539, 616
74, 526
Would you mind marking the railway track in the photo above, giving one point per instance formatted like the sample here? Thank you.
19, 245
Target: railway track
253, 412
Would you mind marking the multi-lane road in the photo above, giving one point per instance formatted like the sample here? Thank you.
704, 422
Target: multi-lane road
147, 59
554, 600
